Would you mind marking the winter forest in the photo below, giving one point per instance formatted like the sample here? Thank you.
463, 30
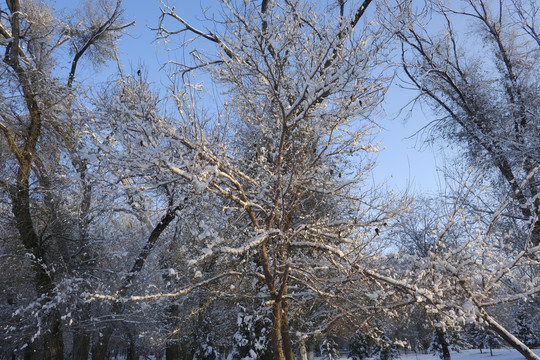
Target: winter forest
228, 213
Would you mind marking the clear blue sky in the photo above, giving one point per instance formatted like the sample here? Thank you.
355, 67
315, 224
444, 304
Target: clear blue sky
405, 163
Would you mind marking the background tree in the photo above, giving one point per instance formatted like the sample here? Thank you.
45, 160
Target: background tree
330, 348
164, 210
485, 103
454, 283
490, 113
252, 339
386, 349
439, 345
359, 348
525, 327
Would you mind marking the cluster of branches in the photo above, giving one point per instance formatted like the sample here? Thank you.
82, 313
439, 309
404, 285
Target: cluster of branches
139, 216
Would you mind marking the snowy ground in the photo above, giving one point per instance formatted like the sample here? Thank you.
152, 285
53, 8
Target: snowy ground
498, 354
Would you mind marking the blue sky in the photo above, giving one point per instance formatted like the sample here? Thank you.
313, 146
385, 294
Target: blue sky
405, 163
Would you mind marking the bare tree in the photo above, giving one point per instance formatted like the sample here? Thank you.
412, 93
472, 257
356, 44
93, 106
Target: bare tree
471, 269
30, 37
283, 160
475, 66
295, 81
482, 84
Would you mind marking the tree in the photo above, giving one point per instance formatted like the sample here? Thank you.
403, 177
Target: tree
415, 231
439, 345
252, 340
470, 269
524, 328
490, 113
359, 348
125, 102
481, 338
492, 342
281, 160
329, 349
475, 336
31, 124
388, 351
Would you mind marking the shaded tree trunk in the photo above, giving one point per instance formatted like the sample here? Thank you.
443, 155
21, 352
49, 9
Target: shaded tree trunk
53, 342
172, 349
445, 352
132, 351
302, 349
53, 339
81, 346
30, 352
101, 345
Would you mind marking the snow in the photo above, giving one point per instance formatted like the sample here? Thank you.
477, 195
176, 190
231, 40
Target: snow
498, 354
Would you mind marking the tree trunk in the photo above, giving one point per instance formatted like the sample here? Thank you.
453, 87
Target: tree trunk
172, 345
30, 352
276, 331
172, 349
99, 351
132, 351
81, 346
101, 347
20, 195
285, 334
53, 339
302, 349
311, 351
444, 345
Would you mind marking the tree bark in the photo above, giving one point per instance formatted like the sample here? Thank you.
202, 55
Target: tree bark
53, 338
132, 351
302, 349
53, 342
30, 352
172, 349
276, 331
81, 346
285, 334
101, 346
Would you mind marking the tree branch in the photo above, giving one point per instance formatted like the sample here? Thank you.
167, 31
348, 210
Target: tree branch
11, 142
107, 26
